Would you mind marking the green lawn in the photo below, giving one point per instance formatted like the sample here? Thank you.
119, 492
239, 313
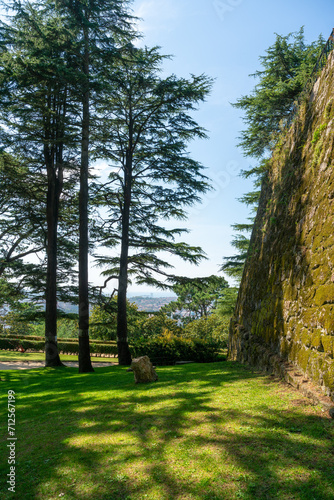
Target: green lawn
40, 356
202, 432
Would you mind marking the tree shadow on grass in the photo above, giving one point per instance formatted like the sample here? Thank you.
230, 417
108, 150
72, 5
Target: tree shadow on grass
214, 431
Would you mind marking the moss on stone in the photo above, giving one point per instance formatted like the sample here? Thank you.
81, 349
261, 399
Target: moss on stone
317, 244
328, 240
302, 358
329, 110
287, 290
308, 317
315, 366
326, 318
290, 292
324, 295
328, 378
285, 348
318, 132
305, 337
321, 276
307, 294
294, 349
316, 340
328, 344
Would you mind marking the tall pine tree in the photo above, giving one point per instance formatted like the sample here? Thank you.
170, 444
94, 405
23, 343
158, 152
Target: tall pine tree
145, 129
97, 26
286, 67
41, 133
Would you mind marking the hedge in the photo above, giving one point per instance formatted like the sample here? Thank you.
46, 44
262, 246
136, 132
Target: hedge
70, 347
165, 349
42, 339
21, 337
171, 348
96, 348
15, 343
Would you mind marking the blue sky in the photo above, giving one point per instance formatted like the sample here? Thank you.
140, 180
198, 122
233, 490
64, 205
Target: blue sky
224, 39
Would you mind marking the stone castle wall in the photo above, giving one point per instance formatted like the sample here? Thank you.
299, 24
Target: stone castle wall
285, 308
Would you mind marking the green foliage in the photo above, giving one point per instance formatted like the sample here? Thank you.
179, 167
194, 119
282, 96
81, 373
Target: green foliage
110, 349
37, 329
15, 319
67, 328
18, 342
21, 227
9, 292
226, 304
166, 346
102, 324
70, 76
286, 67
38, 114
197, 296
234, 265
44, 124
23, 337
211, 328
153, 178
155, 325
27, 319
103, 320
169, 348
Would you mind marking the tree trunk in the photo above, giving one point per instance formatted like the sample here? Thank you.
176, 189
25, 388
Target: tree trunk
85, 364
52, 358
51, 350
124, 355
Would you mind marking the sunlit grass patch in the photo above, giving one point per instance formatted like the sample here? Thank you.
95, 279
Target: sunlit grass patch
203, 431
15, 356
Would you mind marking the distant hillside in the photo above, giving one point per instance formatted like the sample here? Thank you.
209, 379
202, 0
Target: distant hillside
68, 308
144, 303
150, 304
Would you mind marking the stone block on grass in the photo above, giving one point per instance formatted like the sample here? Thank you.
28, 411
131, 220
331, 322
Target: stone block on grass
143, 370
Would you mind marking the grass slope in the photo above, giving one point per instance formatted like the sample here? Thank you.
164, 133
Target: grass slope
202, 432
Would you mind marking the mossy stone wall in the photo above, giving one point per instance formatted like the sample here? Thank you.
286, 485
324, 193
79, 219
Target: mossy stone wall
285, 308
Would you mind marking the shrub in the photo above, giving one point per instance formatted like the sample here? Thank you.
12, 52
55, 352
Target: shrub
171, 348
103, 320
154, 326
213, 328
99, 348
15, 343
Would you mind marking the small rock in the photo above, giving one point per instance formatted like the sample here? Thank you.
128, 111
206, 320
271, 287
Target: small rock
143, 370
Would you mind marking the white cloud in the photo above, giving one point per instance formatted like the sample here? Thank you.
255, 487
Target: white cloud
103, 168
99, 166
